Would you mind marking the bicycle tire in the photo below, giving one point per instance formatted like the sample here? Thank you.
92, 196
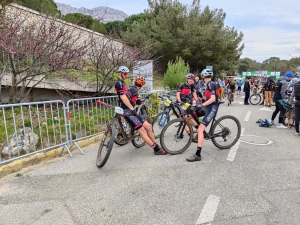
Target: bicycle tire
159, 122
255, 99
119, 140
137, 140
225, 132
110, 135
168, 133
289, 118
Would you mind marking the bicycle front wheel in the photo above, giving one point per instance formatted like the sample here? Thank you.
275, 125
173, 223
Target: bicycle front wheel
159, 122
106, 145
226, 132
254, 99
174, 138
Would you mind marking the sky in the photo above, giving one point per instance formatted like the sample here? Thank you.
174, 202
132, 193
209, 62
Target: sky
271, 28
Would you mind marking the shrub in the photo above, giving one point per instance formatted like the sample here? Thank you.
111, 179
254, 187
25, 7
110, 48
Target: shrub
175, 74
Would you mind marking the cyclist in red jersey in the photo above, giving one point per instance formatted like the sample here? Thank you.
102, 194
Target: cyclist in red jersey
127, 99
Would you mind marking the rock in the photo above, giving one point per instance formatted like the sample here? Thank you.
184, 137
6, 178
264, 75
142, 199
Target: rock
24, 139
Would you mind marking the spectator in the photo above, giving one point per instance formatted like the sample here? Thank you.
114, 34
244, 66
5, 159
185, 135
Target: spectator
247, 91
239, 84
296, 94
269, 87
279, 95
222, 86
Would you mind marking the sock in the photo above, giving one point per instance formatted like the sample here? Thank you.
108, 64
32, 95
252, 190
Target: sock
198, 153
188, 132
155, 147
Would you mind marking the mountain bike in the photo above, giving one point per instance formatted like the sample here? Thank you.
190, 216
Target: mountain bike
229, 96
224, 132
256, 97
119, 140
161, 119
289, 116
116, 124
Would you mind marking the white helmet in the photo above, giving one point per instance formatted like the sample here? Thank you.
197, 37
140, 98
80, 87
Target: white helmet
123, 69
207, 73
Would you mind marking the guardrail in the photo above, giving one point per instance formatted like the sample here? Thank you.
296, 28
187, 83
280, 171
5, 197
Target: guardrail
29, 128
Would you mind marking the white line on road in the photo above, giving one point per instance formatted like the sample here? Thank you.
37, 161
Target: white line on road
209, 210
247, 116
233, 149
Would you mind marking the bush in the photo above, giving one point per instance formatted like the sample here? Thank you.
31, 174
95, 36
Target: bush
175, 74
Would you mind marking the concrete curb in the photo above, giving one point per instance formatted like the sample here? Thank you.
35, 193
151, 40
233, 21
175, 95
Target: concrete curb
19, 164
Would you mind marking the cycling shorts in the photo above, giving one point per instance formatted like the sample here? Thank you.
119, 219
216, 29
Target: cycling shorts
232, 90
136, 121
211, 112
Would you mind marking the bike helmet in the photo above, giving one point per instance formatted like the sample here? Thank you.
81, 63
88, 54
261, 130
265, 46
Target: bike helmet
123, 69
190, 76
207, 73
289, 74
139, 81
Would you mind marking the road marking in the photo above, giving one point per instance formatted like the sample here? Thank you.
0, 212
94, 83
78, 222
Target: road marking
241, 103
247, 116
265, 109
209, 210
233, 149
242, 97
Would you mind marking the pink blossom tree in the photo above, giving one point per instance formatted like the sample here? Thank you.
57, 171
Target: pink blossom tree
107, 54
35, 49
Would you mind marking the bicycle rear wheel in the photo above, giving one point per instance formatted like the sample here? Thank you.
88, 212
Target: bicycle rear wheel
119, 139
226, 132
173, 137
289, 118
159, 122
255, 99
106, 145
137, 140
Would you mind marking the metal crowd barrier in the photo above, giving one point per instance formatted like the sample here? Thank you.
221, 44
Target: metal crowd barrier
86, 118
29, 128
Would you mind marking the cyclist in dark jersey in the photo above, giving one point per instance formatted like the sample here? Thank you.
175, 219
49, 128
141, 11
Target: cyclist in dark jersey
211, 107
186, 92
232, 86
128, 98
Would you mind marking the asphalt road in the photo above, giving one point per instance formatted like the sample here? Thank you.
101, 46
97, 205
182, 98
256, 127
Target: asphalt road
248, 184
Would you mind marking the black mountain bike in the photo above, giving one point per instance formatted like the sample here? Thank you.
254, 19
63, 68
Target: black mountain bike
224, 132
119, 140
116, 124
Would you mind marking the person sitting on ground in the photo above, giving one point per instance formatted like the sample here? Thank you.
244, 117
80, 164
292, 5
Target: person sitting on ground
279, 95
128, 98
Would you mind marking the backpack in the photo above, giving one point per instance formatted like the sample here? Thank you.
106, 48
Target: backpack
270, 85
232, 84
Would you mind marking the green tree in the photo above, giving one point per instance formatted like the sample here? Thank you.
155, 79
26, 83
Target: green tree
175, 73
85, 21
198, 37
48, 7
